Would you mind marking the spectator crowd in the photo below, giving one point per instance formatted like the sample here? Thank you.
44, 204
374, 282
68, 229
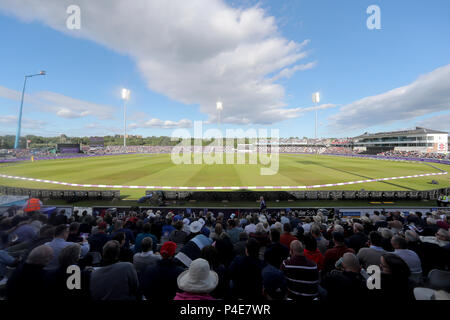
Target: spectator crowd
181, 255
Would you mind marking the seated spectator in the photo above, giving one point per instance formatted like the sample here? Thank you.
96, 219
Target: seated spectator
146, 257
410, 257
372, 255
56, 280
27, 282
146, 232
441, 238
178, 235
59, 242
312, 253
322, 243
394, 280
348, 284
386, 234
245, 273
286, 238
239, 247
275, 252
197, 282
260, 235
99, 238
6, 261
192, 249
218, 229
430, 228
74, 235
301, 274
115, 280
358, 240
431, 254
211, 254
233, 231
119, 227
225, 249
334, 254
274, 283
159, 282
167, 228
251, 227
126, 254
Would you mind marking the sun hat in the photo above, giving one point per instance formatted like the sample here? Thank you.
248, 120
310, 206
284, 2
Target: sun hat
430, 294
199, 278
195, 227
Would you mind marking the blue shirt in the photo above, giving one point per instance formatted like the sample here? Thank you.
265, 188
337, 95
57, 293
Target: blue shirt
57, 244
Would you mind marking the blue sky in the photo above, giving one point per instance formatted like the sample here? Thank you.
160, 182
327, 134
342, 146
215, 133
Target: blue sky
178, 58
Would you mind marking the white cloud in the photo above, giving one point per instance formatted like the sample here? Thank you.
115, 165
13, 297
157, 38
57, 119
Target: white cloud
67, 107
157, 123
439, 122
194, 51
62, 106
10, 120
428, 94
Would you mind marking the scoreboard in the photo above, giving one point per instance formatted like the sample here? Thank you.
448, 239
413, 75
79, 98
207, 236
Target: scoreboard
95, 142
68, 148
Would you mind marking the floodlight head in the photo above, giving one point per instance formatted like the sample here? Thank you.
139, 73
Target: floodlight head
316, 97
125, 94
219, 105
42, 73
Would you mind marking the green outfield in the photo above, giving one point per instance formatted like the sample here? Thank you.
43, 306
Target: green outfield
159, 170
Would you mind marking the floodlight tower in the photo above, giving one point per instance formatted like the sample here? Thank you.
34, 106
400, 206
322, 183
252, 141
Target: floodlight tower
219, 107
19, 122
316, 100
125, 98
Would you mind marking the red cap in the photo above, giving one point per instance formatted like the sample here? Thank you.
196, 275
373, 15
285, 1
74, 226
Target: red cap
102, 225
168, 249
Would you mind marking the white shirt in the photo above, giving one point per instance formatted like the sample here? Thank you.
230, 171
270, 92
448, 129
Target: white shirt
251, 228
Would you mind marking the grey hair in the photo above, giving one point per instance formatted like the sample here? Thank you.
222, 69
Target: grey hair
338, 228
69, 255
411, 236
385, 233
41, 255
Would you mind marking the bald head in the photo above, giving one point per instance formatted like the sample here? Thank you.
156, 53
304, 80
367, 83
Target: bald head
296, 248
350, 262
41, 255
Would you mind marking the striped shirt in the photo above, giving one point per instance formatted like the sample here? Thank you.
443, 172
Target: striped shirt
302, 278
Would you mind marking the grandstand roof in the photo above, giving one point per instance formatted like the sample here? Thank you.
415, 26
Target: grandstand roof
417, 130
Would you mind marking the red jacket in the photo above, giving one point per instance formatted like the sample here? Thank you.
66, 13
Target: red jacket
286, 239
315, 256
334, 254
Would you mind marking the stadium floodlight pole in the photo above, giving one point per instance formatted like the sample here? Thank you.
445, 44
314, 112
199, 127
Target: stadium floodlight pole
219, 107
125, 98
19, 122
316, 100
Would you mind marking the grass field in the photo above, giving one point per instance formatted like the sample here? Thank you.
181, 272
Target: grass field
158, 170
